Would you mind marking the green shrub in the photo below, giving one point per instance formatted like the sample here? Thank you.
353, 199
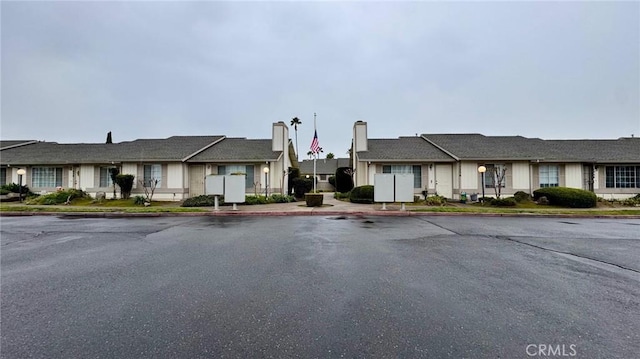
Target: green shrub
633, 201
362, 194
15, 188
435, 200
59, 197
344, 181
504, 202
4, 191
139, 200
302, 186
201, 201
567, 197
125, 182
521, 196
251, 200
341, 195
279, 198
293, 174
332, 180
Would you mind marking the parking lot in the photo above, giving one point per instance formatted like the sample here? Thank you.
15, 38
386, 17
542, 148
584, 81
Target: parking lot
335, 286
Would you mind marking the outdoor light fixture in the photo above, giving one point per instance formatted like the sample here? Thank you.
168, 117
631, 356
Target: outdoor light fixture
21, 172
266, 179
482, 170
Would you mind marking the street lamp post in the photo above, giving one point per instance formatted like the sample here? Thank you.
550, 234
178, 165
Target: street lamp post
482, 170
21, 172
266, 181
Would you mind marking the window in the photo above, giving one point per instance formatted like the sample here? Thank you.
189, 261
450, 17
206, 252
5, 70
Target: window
549, 176
235, 169
416, 170
46, 177
491, 175
105, 177
622, 176
151, 173
3, 176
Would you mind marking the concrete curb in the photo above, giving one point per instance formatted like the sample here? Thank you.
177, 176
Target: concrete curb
380, 213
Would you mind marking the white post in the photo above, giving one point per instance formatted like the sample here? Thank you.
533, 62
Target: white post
314, 172
216, 204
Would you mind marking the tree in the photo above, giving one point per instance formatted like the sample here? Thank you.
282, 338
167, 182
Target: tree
330, 156
310, 154
109, 139
295, 122
498, 174
149, 188
114, 172
125, 182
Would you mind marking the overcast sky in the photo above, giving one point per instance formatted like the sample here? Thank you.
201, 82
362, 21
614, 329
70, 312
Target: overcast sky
72, 71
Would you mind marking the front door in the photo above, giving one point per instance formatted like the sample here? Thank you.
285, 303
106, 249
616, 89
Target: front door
196, 180
444, 180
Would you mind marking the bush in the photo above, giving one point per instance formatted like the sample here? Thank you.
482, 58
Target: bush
15, 188
125, 182
59, 197
340, 195
279, 198
344, 181
362, 194
521, 196
567, 197
139, 200
4, 191
633, 201
302, 186
201, 201
293, 174
332, 181
250, 200
504, 202
435, 201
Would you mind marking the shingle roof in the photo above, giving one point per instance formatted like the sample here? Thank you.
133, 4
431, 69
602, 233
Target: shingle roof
170, 149
403, 148
324, 166
622, 150
480, 147
477, 146
238, 149
15, 143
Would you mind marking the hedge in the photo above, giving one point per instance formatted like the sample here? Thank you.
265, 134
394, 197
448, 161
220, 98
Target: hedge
567, 197
344, 181
362, 194
58, 197
504, 202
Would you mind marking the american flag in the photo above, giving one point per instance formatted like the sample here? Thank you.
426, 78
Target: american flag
315, 146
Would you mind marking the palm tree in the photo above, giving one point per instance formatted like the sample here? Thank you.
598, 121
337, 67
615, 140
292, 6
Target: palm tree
330, 155
295, 122
310, 154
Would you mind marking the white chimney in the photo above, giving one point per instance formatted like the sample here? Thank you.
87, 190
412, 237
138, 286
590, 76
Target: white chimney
360, 136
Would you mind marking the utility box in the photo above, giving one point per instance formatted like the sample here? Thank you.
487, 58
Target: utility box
234, 188
383, 189
214, 185
404, 187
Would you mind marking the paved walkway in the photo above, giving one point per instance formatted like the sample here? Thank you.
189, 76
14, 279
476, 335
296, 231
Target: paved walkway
331, 206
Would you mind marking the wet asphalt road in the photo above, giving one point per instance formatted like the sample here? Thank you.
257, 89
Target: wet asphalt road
433, 287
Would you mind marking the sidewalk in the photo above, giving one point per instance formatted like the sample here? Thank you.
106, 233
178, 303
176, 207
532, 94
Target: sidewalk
331, 207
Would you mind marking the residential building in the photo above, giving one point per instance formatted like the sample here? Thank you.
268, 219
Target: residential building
325, 168
447, 164
178, 163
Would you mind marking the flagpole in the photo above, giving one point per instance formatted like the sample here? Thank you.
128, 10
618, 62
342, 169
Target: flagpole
315, 157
